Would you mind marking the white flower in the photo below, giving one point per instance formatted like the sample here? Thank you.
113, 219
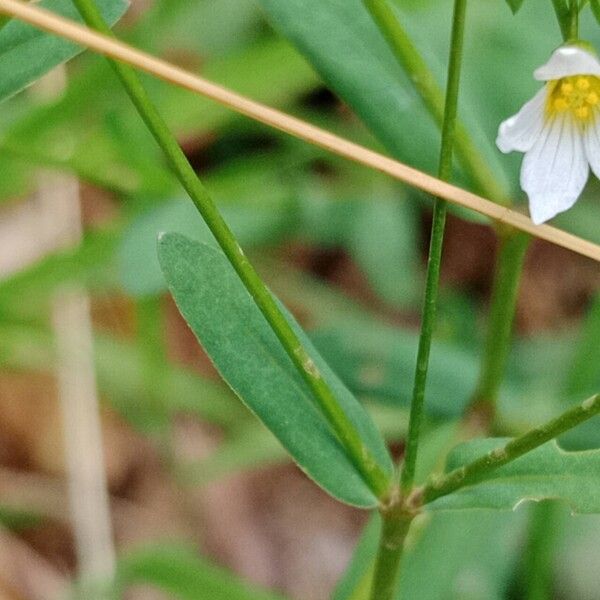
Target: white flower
559, 132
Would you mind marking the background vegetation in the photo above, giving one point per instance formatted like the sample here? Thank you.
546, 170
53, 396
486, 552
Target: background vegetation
195, 480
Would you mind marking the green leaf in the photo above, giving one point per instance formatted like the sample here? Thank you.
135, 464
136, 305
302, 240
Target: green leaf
250, 358
515, 5
88, 264
545, 473
27, 53
179, 571
342, 42
384, 242
208, 29
474, 552
595, 5
120, 372
379, 231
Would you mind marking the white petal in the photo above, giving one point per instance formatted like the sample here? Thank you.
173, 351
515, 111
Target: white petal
568, 61
555, 170
521, 131
592, 143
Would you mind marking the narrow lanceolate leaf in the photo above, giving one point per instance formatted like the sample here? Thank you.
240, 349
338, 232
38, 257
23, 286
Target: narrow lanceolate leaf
26, 53
250, 358
515, 5
595, 4
545, 473
342, 42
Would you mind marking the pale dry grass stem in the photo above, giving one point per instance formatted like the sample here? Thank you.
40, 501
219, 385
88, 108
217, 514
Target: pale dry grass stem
161, 69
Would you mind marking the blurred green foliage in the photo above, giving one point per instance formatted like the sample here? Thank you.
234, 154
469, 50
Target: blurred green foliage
27, 53
178, 571
276, 192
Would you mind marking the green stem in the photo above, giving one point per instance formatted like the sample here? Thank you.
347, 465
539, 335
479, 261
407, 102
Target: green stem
395, 527
564, 17
425, 340
537, 570
436, 246
508, 272
347, 433
573, 28
433, 97
517, 447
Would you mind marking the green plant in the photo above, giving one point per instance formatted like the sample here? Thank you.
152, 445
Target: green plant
259, 349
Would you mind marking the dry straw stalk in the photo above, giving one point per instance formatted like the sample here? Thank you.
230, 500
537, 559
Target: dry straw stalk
81, 35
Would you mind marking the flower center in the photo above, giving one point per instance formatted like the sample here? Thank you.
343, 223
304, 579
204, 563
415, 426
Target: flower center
579, 95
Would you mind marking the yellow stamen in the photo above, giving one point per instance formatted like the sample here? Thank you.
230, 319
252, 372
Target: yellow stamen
583, 84
560, 104
566, 89
579, 95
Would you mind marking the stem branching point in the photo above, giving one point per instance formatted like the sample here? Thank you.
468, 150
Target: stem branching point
482, 467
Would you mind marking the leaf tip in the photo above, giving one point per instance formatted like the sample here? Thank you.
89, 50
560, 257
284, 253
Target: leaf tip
515, 5
168, 238
165, 242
